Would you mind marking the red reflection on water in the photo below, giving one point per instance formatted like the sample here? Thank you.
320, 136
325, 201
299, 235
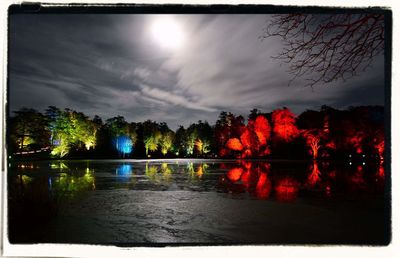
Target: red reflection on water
286, 189
315, 176
328, 191
223, 166
263, 187
380, 176
234, 174
332, 174
246, 177
381, 170
246, 164
356, 180
250, 177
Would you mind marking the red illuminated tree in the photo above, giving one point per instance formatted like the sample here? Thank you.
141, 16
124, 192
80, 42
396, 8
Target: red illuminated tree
234, 144
228, 126
380, 148
284, 125
313, 138
356, 141
379, 142
249, 141
262, 129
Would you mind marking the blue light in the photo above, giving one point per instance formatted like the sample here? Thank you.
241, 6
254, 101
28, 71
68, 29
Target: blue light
124, 170
123, 144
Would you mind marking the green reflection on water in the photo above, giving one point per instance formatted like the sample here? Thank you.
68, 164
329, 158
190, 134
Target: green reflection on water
159, 173
197, 172
68, 183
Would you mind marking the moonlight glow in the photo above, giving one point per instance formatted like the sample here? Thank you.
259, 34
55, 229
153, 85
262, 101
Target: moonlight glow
167, 32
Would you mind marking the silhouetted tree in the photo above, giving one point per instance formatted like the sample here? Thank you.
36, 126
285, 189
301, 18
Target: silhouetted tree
29, 127
323, 48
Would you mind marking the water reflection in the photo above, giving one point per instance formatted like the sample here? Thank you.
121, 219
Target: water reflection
286, 189
250, 177
30, 183
263, 187
275, 181
281, 181
71, 185
315, 176
38, 192
123, 173
356, 180
198, 171
158, 173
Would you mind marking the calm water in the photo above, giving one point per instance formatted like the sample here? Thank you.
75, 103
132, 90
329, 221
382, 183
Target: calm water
127, 202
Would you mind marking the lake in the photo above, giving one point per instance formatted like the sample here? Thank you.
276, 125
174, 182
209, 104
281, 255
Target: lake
198, 202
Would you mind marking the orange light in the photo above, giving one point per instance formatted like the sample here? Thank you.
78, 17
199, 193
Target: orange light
234, 174
234, 144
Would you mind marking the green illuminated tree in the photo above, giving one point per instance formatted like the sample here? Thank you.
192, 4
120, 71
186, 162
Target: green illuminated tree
166, 142
70, 129
29, 127
151, 141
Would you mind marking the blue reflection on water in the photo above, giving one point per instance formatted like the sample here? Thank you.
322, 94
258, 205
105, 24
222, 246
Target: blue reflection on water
124, 170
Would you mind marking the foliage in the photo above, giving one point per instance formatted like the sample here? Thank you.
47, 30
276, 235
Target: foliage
284, 125
152, 141
166, 142
29, 127
327, 133
70, 129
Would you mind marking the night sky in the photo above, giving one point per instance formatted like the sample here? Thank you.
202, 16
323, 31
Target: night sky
113, 65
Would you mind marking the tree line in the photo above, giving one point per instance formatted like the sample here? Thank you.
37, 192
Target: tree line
326, 133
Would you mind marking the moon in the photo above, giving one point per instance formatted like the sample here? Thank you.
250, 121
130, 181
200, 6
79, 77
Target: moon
167, 32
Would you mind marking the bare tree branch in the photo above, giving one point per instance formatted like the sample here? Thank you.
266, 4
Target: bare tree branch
324, 48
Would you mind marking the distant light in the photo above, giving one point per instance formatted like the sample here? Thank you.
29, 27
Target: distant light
124, 170
350, 163
363, 155
350, 156
363, 163
167, 32
123, 144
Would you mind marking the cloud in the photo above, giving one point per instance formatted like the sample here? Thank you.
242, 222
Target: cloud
108, 65
166, 96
